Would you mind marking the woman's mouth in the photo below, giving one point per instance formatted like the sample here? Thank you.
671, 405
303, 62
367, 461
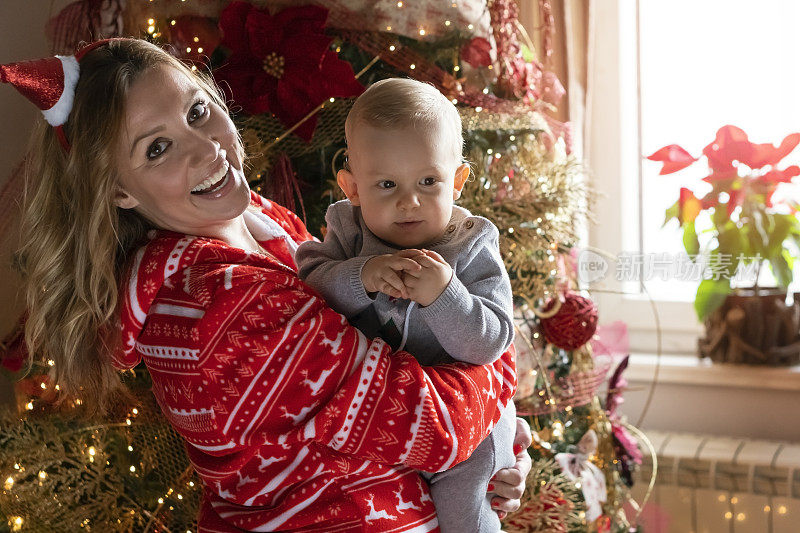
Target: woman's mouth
215, 183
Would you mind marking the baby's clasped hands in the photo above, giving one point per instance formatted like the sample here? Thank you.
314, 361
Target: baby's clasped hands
418, 275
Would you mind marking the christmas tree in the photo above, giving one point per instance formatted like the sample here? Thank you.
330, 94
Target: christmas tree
130, 473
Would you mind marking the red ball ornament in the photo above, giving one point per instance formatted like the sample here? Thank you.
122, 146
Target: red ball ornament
574, 323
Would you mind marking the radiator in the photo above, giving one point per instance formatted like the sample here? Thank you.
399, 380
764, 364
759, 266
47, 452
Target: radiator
709, 484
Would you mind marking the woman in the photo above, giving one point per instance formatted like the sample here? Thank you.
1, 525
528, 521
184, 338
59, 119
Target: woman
293, 419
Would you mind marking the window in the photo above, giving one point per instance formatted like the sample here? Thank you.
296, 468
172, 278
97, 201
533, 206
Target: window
701, 64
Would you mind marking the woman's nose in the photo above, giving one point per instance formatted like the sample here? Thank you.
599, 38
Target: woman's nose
202, 149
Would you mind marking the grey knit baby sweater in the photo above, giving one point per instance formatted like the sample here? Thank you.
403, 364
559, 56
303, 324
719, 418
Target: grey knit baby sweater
471, 321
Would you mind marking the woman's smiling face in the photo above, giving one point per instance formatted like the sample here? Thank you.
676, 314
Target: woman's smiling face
178, 156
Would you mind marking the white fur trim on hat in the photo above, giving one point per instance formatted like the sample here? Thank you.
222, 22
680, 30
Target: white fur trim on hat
58, 114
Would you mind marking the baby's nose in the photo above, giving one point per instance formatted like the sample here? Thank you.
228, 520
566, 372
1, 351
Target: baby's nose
408, 201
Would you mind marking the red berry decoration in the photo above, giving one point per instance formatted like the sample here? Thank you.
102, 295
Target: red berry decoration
574, 323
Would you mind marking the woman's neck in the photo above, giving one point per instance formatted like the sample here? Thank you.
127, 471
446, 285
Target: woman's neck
237, 235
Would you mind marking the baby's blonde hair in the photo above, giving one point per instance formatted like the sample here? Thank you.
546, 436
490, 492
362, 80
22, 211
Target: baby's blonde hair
399, 103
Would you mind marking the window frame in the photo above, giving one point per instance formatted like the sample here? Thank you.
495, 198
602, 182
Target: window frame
614, 160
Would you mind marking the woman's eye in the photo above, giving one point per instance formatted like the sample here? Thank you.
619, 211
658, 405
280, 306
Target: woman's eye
197, 111
429, 181
157, 148
386, 184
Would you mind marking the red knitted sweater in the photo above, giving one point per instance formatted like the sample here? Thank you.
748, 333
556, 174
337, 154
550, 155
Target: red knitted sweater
294, 420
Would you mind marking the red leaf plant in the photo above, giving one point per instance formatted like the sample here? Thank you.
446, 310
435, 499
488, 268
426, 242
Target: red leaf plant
747, 225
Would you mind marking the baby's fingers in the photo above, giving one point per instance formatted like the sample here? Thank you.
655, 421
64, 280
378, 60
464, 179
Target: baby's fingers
393, 285
435, 256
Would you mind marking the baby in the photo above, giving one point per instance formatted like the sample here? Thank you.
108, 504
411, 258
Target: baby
401, 262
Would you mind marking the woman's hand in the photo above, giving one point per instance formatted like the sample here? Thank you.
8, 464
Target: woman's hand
509, 483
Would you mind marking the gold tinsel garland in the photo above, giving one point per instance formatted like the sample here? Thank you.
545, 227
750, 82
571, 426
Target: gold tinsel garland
538, 199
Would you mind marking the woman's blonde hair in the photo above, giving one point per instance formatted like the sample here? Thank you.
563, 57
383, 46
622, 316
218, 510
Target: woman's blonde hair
77, 242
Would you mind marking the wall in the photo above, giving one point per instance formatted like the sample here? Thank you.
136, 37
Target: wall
21, 37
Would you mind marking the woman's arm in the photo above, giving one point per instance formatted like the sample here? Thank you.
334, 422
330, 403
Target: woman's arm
290, 369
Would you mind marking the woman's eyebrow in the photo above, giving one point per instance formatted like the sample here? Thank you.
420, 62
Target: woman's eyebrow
143, 136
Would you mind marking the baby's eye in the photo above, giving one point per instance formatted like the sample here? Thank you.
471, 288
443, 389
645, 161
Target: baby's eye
158, 147
198, 110
386, 184
430, 180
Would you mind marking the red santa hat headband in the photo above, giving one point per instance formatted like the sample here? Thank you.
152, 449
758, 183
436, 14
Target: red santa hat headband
50, 84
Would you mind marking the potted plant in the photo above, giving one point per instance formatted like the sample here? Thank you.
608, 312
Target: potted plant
747, 229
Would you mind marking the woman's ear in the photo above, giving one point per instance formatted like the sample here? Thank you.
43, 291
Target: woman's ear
124, 200
348, 184
462, 173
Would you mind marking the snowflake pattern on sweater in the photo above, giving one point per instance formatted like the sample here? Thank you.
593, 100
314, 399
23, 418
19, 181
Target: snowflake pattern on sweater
293, 419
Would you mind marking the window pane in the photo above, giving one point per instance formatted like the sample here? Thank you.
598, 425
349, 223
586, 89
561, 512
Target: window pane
704, 64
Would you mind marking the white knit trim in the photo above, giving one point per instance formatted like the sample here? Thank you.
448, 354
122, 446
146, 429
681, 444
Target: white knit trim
58, 114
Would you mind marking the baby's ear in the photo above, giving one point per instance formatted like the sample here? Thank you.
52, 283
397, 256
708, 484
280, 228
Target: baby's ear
462, 173
348, 184
124, 200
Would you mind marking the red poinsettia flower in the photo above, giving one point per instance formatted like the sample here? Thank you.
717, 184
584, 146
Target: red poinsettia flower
732, 144
673, 157
689, 206
282, 64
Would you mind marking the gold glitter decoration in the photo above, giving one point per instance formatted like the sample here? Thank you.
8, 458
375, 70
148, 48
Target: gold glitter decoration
523, 118
261, 131
552, 503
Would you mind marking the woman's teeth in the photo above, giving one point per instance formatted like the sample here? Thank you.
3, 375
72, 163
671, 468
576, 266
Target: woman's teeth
214, 182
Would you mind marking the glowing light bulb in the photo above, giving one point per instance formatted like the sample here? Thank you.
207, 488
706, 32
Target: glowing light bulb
446, 22
196, 39
392, 48
422, 32
150, 22
151, 29
133, 468
412, 66
200, 50
91, 451
9, 483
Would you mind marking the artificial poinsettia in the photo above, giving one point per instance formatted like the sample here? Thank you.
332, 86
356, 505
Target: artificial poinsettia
746, 224
282, 64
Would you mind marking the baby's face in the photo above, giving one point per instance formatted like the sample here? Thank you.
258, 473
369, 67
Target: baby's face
405, 182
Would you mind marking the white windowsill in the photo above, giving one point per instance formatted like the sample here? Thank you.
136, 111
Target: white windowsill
691, 370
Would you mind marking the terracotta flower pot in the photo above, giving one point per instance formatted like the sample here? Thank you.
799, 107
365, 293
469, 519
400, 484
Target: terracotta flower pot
754, 327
